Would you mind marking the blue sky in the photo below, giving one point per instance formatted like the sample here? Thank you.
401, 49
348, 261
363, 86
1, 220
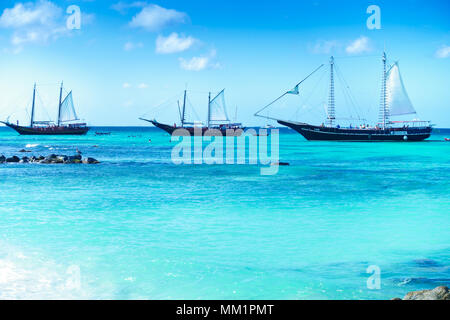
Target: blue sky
130, 56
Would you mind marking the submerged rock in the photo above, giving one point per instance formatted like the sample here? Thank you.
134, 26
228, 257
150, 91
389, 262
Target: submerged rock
439, 293
2, 159
426, 263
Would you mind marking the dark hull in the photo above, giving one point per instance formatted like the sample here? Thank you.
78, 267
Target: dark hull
318, 133
200, 131
47, 131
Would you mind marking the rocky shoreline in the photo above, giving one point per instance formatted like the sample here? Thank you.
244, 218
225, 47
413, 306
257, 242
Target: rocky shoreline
50, 159
438, 293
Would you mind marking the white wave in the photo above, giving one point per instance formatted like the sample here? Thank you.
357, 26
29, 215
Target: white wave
30, 145
32, 277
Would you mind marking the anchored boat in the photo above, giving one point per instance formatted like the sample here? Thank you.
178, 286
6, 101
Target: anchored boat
218, 122
65, 125
394, 102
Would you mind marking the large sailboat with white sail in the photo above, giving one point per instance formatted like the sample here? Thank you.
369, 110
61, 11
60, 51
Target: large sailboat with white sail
66, 124
217, 123
394, 102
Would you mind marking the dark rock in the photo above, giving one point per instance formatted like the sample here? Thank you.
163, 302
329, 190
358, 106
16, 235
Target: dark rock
90, 161
23, 150
439, 293
51, 157
13, 159
73, 159
280, 163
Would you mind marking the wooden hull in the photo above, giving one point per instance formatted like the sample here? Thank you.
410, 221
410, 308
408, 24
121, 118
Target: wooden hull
62, 130
318, 133
199, 131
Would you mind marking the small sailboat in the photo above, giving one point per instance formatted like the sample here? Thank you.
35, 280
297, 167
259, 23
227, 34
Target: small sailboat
65, 125
217, 121
394, 102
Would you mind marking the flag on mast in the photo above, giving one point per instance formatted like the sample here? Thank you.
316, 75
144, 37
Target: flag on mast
294, 91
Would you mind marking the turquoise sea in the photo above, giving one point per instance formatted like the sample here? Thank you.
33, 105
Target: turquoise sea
137, 226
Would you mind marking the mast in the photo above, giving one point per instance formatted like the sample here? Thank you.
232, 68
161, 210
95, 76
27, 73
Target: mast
331, 101
209, 108
32, 106
59, 105
384, 112
184, 110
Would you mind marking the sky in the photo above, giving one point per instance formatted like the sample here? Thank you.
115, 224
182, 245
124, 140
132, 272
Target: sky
127, 58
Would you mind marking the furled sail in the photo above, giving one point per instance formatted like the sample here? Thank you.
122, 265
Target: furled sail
218, 111
67, 109
397, 97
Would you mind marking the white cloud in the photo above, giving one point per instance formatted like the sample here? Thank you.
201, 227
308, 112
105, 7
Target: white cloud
42, 12
122, 7
154, 18
324, 47
128, 104
142, 85
194, 64
199, 63
131, 46
36, 22
443, 52
173, 43
360, 45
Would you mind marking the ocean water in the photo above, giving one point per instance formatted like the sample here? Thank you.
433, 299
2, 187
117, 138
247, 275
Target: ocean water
138, 226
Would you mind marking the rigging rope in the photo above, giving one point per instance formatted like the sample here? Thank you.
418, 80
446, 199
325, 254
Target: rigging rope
160, 106
311, 94
347, 92
43, 107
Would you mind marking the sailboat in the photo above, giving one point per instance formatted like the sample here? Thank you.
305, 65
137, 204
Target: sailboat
394, 102
62, 126
217, 121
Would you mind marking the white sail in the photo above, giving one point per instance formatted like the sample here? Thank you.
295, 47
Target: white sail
397, 98
218, 111
67, 109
